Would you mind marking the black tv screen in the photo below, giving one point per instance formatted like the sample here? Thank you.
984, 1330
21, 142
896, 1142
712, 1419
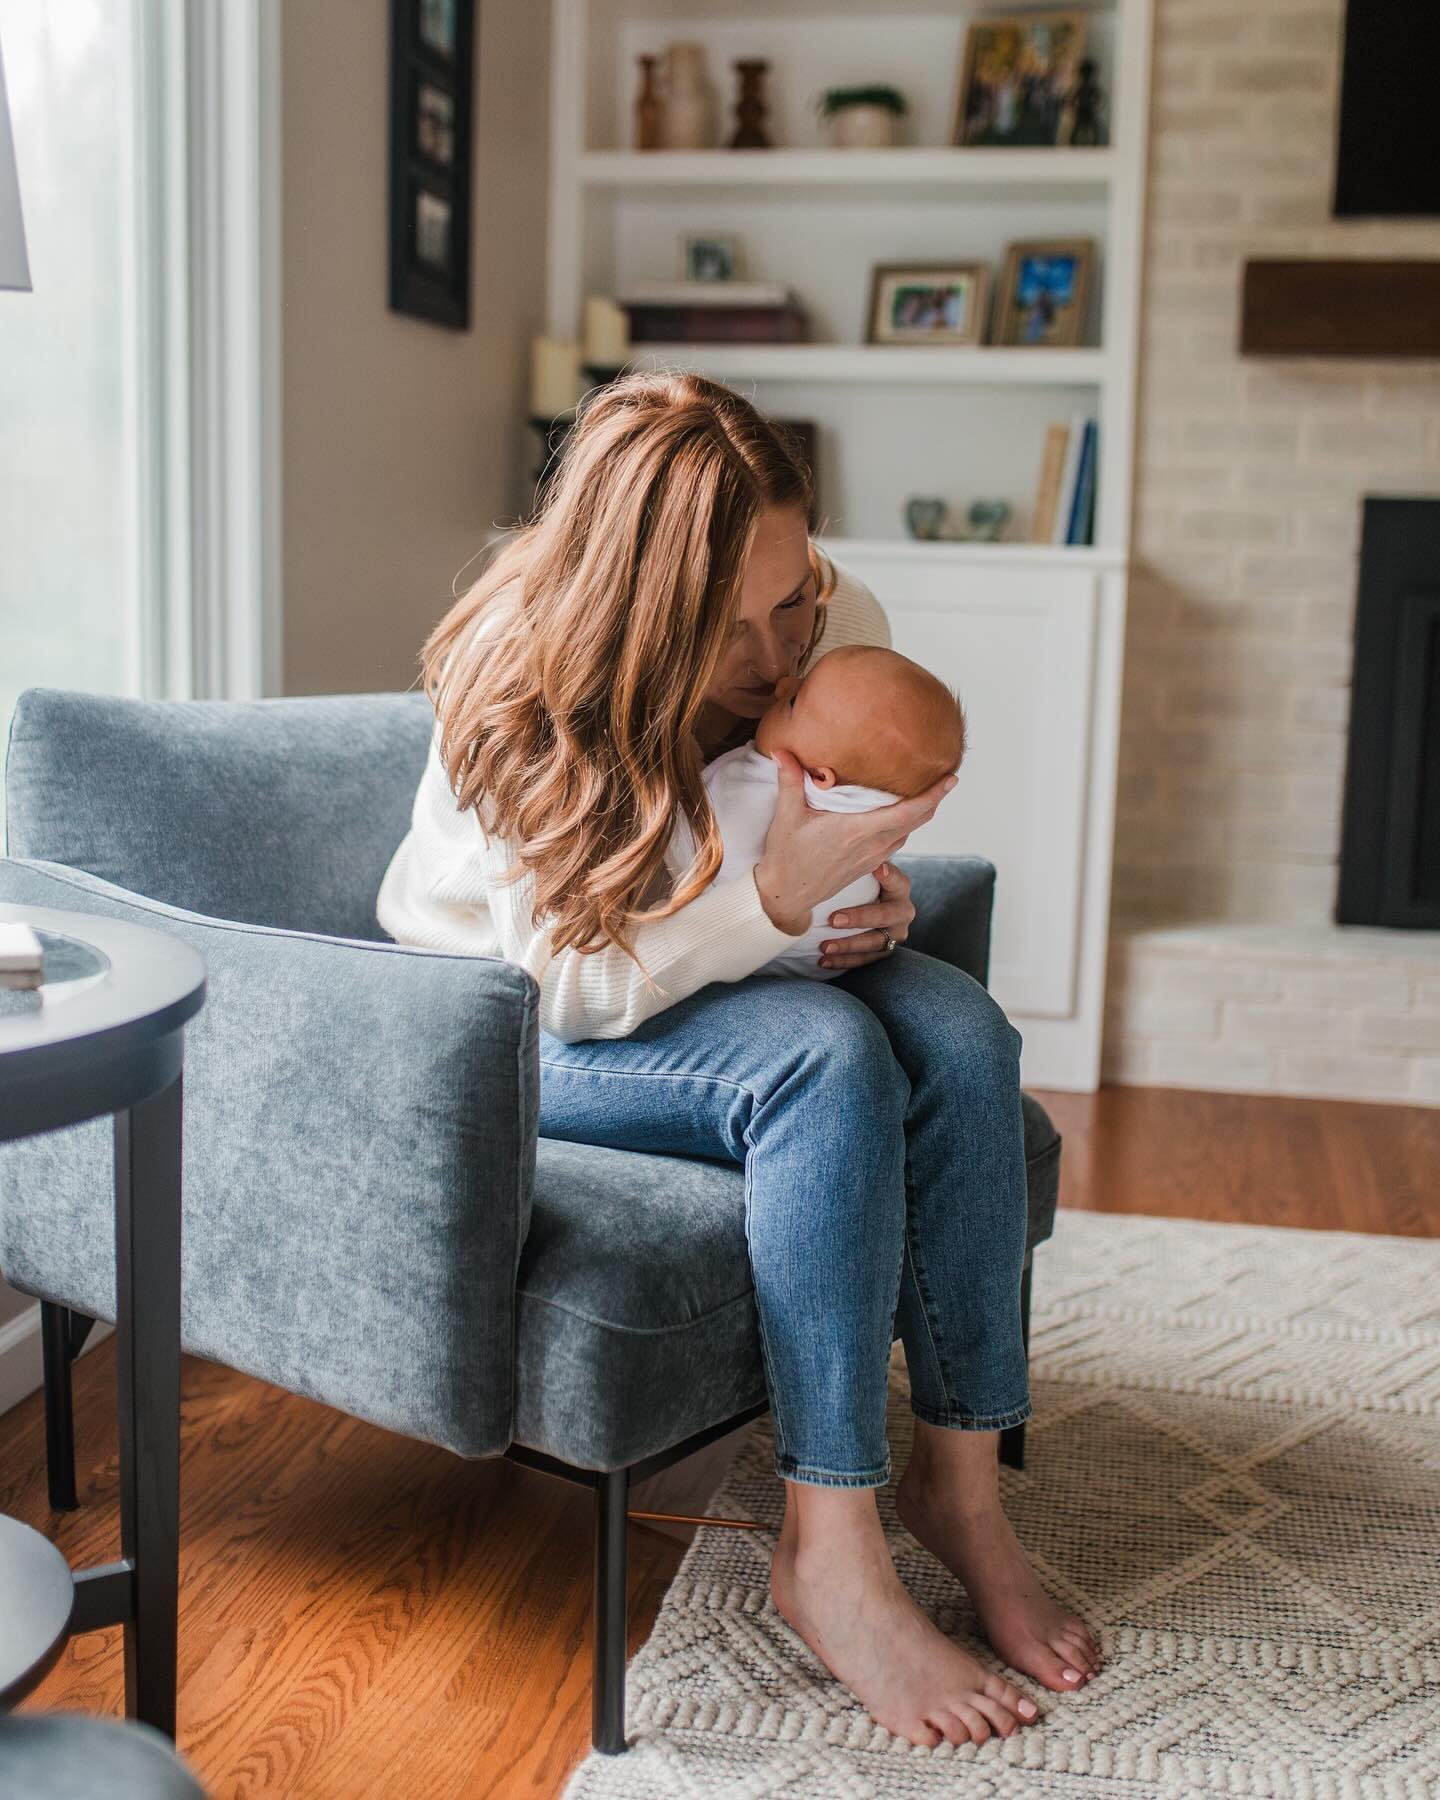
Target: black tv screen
1387, 164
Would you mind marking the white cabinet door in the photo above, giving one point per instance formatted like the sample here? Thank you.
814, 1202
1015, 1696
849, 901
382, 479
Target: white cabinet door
1018, 646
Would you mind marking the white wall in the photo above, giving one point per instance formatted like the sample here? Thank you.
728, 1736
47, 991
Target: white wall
403, 441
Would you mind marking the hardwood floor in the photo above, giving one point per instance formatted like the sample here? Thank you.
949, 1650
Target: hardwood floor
366, 1616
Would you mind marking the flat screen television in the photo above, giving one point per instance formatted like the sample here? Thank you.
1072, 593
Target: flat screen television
1387, 162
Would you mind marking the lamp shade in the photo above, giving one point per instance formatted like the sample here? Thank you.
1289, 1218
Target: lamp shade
14, 264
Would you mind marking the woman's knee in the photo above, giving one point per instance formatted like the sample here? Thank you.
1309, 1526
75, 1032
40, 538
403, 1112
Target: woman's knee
967, 1029
842, 1050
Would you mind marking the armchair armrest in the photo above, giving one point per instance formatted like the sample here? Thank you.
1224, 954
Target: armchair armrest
360, 1128
954, 897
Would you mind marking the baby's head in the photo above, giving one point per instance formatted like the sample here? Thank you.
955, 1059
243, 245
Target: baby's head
869, 718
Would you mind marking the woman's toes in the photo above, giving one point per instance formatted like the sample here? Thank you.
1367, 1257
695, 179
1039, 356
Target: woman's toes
1001, 1718
1058, 1672
1007, 1695
1074, 1653
949, 1726
975, 1723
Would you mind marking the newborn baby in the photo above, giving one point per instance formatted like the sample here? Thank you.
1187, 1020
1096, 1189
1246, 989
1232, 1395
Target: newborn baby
869, 727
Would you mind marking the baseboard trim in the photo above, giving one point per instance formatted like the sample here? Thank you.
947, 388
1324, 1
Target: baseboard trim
22, 1368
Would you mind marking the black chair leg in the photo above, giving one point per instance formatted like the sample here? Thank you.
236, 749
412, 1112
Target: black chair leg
607, 1730
62, 1337
1012, 1441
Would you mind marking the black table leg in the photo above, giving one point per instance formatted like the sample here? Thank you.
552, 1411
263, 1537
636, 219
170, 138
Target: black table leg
147, 1360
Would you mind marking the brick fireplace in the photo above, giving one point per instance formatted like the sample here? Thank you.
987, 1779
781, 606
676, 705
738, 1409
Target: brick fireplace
1227, 967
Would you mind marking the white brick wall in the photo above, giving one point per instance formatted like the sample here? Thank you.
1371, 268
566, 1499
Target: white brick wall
1276, 1009
1249, 479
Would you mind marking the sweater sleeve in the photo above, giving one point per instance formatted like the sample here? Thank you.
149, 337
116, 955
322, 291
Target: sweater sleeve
723, 934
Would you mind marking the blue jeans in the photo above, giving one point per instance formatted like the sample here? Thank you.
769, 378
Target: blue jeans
878, 1119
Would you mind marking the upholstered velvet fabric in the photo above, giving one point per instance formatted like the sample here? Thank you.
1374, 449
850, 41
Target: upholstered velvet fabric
274, 812
359, 1142
366, 1220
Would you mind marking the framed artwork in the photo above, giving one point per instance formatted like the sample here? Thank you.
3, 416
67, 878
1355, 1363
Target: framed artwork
431, 92
1018, 79
1042, 292
706, 256
944, 304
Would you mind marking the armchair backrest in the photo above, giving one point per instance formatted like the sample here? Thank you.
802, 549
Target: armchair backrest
273, 812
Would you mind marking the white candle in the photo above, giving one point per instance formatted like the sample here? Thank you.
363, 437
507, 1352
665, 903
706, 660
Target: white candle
554, 376
607, 333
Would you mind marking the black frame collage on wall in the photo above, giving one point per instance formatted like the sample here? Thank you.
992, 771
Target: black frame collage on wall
431, 110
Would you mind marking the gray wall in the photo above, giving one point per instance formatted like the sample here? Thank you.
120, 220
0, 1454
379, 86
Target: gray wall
403, 442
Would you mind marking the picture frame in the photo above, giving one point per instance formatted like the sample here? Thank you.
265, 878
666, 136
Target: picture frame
1017, 77
1044, 285
432, 76
710, 256
929, 303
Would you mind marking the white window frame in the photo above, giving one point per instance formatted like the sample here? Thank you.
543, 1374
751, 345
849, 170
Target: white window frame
206, 424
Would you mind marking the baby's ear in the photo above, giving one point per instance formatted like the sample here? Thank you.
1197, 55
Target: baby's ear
823, 778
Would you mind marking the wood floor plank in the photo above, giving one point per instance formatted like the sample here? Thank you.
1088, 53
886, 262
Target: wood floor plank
366, 1617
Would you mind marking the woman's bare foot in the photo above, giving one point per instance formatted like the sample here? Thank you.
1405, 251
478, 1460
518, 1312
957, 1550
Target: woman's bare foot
833, 1581
949, 1500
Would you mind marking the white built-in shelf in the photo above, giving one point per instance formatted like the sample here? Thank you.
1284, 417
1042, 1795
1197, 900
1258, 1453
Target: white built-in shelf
980, 366
975, 554
1002, 173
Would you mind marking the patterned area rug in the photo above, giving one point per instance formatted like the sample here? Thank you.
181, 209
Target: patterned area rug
1234, 1473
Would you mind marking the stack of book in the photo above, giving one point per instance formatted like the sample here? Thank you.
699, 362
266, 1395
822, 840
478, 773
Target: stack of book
1065, 495
714, 312
22, 957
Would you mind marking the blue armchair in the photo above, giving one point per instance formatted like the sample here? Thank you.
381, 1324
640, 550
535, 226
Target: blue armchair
370, 1219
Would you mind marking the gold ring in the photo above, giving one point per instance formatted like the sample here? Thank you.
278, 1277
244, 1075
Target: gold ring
889, 942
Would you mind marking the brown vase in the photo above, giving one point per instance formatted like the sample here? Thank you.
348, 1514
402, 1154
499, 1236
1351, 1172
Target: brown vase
649, 108
751, 106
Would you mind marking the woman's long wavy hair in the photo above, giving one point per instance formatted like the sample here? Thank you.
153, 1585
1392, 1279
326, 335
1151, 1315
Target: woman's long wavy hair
570, 729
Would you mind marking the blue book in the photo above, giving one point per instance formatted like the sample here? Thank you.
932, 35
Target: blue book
1082, 509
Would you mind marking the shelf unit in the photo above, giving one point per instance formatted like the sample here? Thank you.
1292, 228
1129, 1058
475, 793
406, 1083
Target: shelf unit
894, 421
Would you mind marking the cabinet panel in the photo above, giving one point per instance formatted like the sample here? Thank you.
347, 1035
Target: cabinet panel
1018, 646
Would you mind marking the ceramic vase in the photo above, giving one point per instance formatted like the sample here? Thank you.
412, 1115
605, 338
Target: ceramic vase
689, 120
862, 128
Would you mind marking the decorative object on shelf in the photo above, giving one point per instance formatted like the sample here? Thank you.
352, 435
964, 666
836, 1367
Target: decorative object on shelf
607, 334
925, 516
751, 106
943, 304
987, 520
432, 70
649, 107
688, 114
1087, 109
555, 379
1065, 491
714, 312
1042, 292
861, 118
709, 256
1017, 79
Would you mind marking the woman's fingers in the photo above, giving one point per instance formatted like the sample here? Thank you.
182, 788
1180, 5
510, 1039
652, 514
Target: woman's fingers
906, 815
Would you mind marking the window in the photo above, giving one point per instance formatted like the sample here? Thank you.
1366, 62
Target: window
71, 606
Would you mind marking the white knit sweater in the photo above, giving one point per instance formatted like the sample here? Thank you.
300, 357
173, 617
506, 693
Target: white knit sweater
443, 891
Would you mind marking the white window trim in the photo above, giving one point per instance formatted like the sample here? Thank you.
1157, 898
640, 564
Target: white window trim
208, 406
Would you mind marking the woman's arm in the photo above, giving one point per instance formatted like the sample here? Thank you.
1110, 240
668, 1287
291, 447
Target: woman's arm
721, 935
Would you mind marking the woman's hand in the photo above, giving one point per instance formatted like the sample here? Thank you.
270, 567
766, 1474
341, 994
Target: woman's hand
892, 913
810, 855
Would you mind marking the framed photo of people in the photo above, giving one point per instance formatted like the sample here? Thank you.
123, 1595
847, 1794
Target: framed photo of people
432, 71
1043, 290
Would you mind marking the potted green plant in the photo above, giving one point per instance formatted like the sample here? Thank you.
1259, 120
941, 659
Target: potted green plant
861, 118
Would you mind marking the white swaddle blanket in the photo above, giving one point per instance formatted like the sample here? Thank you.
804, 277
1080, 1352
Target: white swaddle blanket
744, 786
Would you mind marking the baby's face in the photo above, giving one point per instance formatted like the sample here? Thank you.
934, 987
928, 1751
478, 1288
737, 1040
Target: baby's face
863, 716
817, 720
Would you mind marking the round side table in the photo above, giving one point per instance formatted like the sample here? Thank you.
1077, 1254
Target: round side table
105, 1033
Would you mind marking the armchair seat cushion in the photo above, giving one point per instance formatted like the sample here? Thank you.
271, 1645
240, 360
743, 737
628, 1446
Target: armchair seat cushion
636, 1317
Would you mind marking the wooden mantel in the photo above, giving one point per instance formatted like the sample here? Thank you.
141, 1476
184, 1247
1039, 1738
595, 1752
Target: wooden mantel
1373, 307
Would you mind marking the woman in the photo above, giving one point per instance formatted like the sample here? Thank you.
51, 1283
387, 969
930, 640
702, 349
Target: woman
635, 630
